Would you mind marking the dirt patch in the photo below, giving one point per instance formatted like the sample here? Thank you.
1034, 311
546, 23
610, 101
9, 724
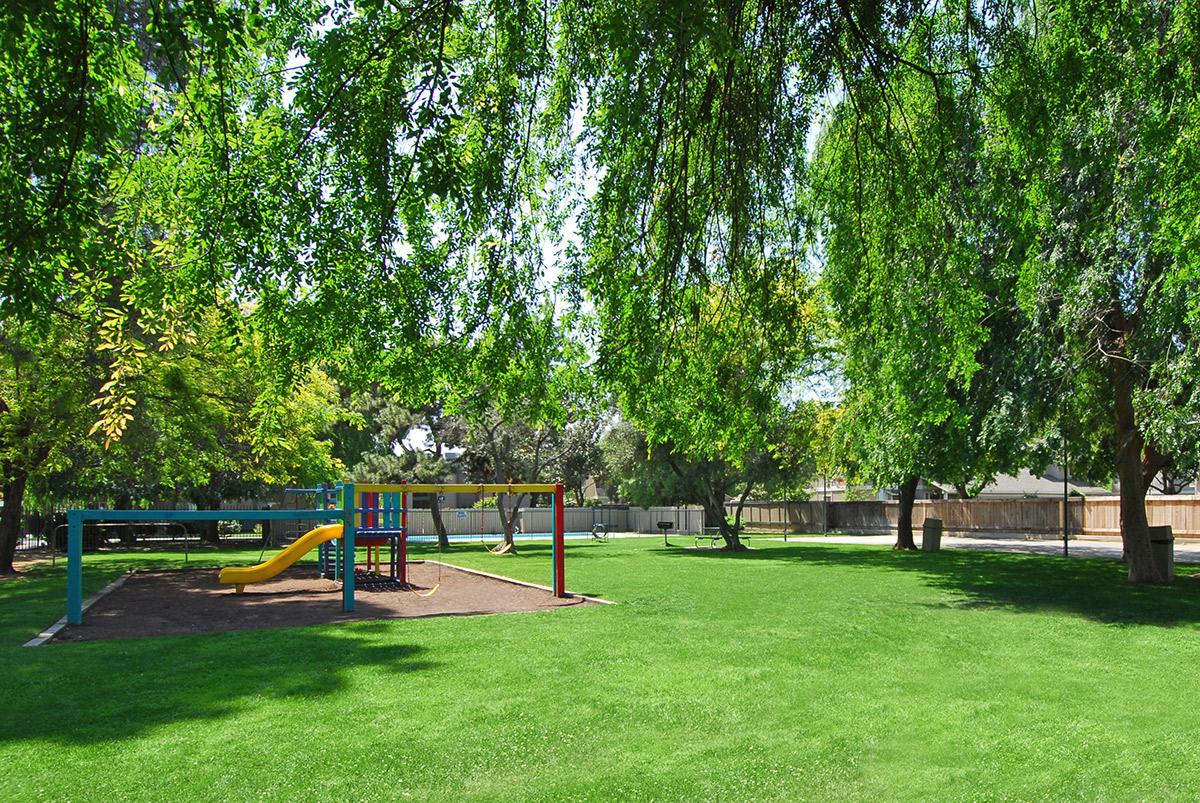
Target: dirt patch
26, 560
169, 603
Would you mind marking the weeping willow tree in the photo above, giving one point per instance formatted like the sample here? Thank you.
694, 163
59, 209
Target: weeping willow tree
374, 183
376, 186
365, 179
1095, 112
935, 361
360, 185
700, 248
694, 241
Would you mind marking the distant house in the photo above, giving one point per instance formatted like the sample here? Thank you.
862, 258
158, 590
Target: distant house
1027, 485
595, 488
837, 489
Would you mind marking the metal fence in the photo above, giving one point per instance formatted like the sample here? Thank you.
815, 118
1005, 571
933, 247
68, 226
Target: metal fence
46, 530
41, 529
992, 518
530, 520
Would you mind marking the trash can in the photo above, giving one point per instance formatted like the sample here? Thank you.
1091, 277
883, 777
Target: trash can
931, 535
1162, 547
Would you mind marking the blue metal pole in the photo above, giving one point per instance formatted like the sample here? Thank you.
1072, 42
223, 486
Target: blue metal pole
74, 567
280, 514
76, 518
323, 549
348, 506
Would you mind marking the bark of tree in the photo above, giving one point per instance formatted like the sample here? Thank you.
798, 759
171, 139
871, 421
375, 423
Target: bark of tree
1172, 483
1137, 463
904, 529
15, 481
713, 502
714, 510
435, 510
210, 532
508, 518
737, 518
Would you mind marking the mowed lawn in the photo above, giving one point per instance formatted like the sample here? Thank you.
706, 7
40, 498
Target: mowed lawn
793, 672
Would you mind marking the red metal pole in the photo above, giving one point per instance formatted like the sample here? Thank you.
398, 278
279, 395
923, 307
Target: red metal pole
404, 534
370, 500
560, 582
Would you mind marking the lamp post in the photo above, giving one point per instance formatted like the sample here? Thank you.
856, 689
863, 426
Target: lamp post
1062, 432
1066, 516
825, 504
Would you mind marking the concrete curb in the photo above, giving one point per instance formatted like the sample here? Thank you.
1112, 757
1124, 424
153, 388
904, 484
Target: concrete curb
514, 581
52, 630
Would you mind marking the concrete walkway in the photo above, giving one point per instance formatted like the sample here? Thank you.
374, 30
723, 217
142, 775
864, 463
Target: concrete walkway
1186, 551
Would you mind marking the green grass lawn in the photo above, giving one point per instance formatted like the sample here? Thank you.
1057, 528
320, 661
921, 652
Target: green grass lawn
796, 671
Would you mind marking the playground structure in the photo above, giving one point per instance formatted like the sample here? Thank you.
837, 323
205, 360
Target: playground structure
354, 515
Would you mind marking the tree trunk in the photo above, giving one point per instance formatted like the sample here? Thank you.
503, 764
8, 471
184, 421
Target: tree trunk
1135, 527
737, 515
714, 508
210, 532
435, 510
505, 525
10, 517
904, 529
508, 520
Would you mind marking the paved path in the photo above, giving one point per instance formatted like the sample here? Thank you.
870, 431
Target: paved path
1186, 551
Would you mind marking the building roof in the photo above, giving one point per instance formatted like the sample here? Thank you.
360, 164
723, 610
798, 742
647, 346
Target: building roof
1025, 483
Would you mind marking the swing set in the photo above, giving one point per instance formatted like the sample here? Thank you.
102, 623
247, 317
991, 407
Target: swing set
354, 515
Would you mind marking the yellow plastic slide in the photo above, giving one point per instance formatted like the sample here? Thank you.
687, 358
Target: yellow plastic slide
240, 576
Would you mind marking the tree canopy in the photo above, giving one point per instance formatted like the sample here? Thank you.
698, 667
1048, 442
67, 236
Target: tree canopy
934, 354
998, 201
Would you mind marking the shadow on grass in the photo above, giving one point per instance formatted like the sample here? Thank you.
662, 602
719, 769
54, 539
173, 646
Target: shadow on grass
523, 547
1094, 588
107, 691
104, 691
37, 597
526, 554
529, 556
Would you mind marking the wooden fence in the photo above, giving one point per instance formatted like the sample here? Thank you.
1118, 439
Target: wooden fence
1089, 516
